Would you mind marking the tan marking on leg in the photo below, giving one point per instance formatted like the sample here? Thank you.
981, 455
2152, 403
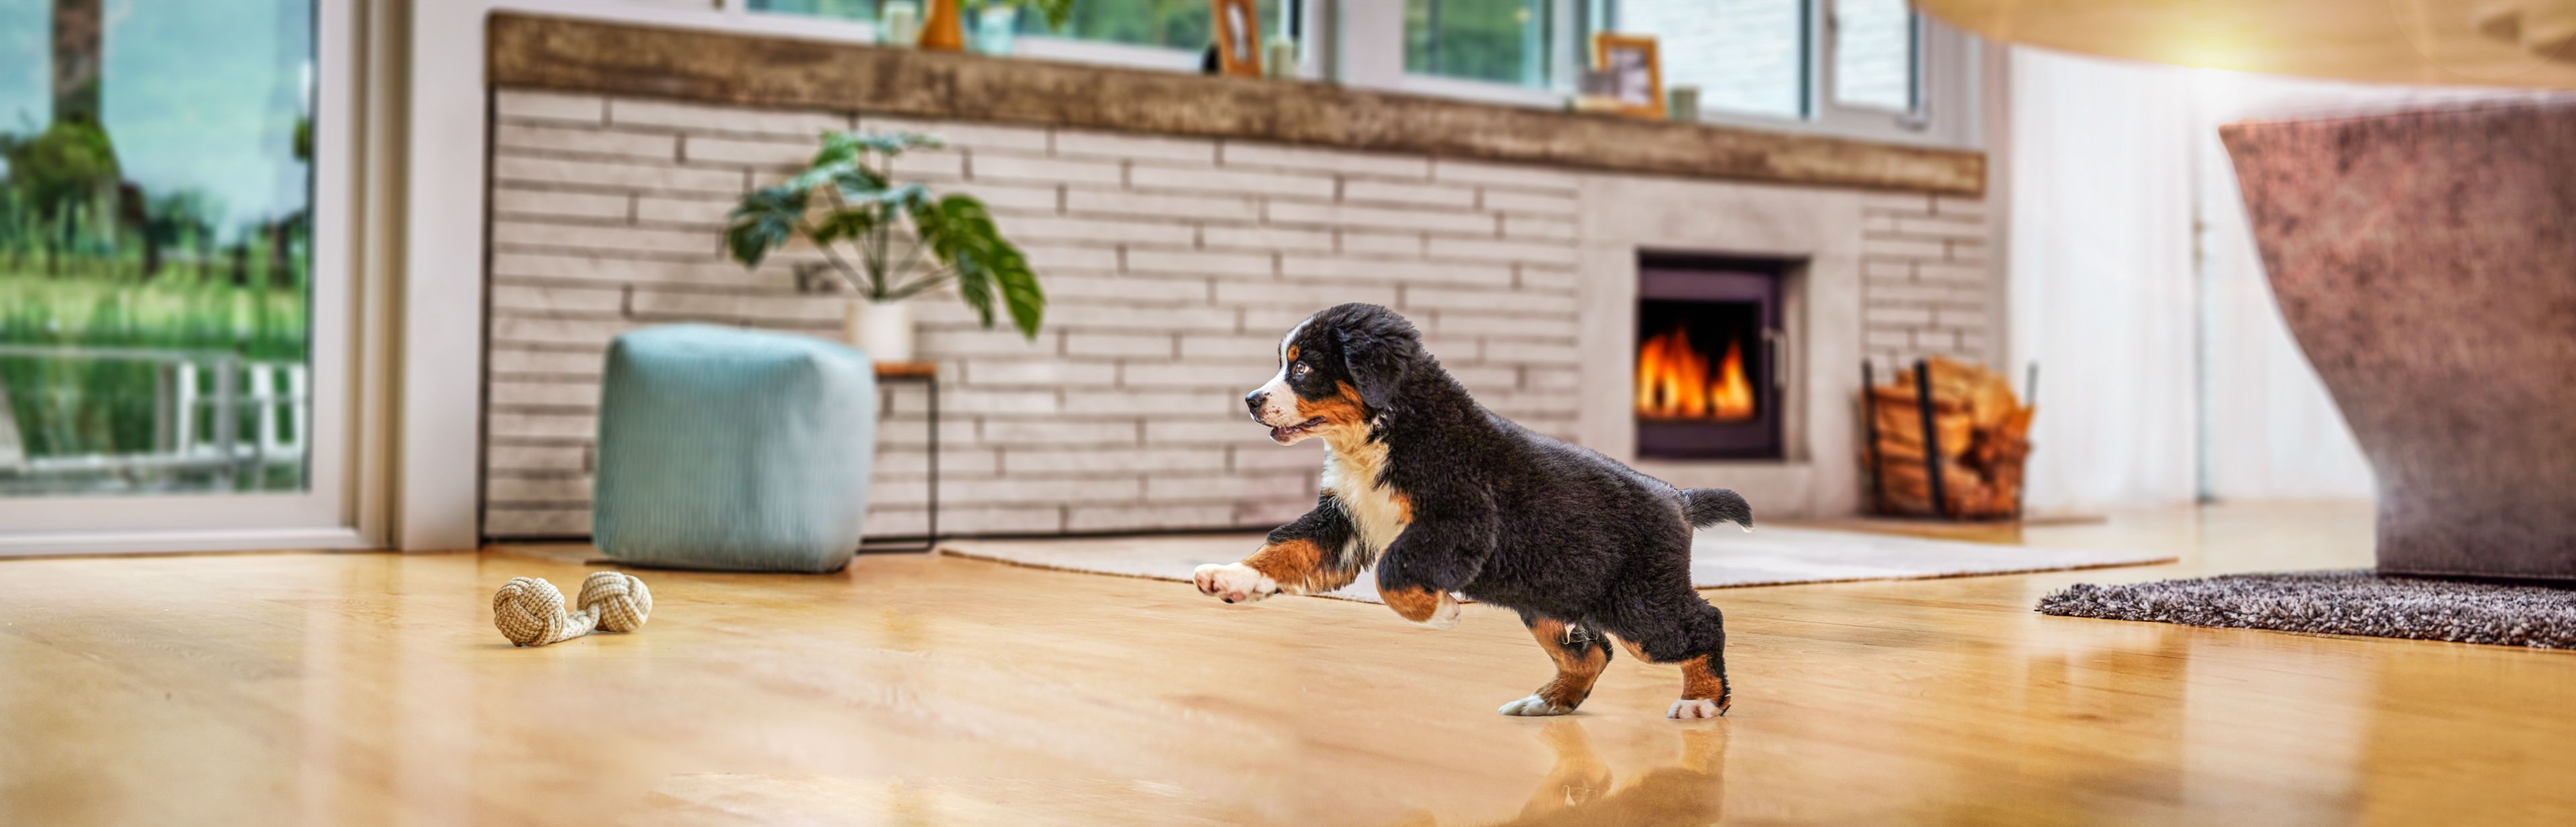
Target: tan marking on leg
1290, 563
1702, 685
1633, 651
1328, 578
1577, 665
1700, 682
1301, 566
1403, 506
1413, 603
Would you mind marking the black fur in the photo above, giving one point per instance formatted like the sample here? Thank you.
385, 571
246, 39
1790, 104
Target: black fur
1504, 515
1706, 507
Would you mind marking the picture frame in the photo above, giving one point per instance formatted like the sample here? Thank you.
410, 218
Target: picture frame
1631, 74
1237, 27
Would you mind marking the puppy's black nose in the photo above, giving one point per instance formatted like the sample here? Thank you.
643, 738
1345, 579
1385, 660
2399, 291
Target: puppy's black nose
1252, 401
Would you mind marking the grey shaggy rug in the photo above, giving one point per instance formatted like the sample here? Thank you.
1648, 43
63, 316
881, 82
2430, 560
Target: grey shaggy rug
2340, 603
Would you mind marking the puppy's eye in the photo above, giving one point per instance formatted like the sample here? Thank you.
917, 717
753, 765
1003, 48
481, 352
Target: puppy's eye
1298, 371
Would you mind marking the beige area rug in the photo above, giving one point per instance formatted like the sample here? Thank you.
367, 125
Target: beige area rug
1720, 558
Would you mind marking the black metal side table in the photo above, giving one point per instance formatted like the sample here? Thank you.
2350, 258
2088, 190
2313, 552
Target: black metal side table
925, 374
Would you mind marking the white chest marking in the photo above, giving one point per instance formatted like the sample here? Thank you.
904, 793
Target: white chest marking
1351, 471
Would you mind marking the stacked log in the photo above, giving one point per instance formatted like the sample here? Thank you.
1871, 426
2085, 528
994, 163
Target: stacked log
1982, 433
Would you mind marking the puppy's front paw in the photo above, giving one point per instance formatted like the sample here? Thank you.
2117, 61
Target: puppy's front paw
1695, 708
1234, 583
1533, 706
1444, 616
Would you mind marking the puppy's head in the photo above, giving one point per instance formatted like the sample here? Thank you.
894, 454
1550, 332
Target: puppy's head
1338, 370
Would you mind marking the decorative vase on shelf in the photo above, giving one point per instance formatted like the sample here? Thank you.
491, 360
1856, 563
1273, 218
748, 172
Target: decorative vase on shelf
943, 30
883, 329
1279, 58
899, 22
996, 25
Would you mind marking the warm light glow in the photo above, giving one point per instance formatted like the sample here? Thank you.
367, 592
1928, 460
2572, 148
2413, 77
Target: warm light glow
1674, 381
1731, 397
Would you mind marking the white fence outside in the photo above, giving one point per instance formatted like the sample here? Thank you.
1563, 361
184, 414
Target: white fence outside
212, 412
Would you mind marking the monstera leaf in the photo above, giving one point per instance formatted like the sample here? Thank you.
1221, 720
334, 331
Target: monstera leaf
764, 221
960, 233
909, 239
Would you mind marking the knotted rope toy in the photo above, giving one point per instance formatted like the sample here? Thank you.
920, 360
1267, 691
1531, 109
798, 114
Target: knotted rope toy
530, 611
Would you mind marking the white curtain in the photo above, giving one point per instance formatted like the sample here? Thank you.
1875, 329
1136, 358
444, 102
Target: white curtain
2101, 279
2165, 377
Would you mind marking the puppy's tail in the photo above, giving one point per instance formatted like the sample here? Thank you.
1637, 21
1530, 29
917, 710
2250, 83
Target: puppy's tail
1706, 507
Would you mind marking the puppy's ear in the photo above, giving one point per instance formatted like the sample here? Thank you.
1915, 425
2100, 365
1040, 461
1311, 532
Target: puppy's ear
1377, 364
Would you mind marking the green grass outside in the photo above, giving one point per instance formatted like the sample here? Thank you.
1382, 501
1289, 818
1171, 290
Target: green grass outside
67, 407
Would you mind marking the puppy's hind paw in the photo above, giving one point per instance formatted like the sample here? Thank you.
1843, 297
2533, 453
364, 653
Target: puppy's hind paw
1687, 708
1444, 615
1533, 707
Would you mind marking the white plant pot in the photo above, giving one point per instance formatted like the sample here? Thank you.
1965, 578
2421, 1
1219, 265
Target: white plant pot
884, 330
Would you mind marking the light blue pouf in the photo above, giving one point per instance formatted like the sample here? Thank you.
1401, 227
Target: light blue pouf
724, 448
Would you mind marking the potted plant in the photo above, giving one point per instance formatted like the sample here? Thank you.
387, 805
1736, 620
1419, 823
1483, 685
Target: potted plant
908, 240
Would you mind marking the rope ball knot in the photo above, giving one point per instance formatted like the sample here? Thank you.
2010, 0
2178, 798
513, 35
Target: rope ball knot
530, 611
621, 601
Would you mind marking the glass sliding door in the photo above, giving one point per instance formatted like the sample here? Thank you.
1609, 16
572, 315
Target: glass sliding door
173, 324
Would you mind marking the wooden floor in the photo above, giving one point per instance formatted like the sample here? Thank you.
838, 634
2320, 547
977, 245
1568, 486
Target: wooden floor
352, 689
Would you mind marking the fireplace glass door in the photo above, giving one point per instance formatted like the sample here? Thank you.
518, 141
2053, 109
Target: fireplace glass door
1708, 348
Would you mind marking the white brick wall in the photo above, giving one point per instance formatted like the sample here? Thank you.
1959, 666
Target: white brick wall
1925, 287
1172, 266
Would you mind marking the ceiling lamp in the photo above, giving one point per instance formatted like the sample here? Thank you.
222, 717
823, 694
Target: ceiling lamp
2517, 43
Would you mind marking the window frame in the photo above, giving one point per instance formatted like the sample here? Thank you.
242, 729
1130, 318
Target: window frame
1564, 53
341, 505
1945, 74
1360, 43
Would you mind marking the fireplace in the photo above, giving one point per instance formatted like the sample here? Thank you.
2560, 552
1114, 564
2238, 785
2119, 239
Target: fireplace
1709, 349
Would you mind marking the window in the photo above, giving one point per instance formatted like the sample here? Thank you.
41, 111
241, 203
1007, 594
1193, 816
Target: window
1170, 24
156, 246
1874, 54
860, 10
1173, 24
1501, 41
1744, 55
1862, 68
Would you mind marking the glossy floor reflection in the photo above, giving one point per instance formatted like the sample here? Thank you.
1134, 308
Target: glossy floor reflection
1579, 789
331, 689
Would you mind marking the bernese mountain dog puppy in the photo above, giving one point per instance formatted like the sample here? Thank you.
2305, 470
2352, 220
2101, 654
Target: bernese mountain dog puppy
1446, 498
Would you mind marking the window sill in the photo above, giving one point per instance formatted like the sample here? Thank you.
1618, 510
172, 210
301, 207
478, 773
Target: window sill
1070, 50
755, 70
1481, 91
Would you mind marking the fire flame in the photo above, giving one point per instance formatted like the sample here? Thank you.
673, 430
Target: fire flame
1673, 381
